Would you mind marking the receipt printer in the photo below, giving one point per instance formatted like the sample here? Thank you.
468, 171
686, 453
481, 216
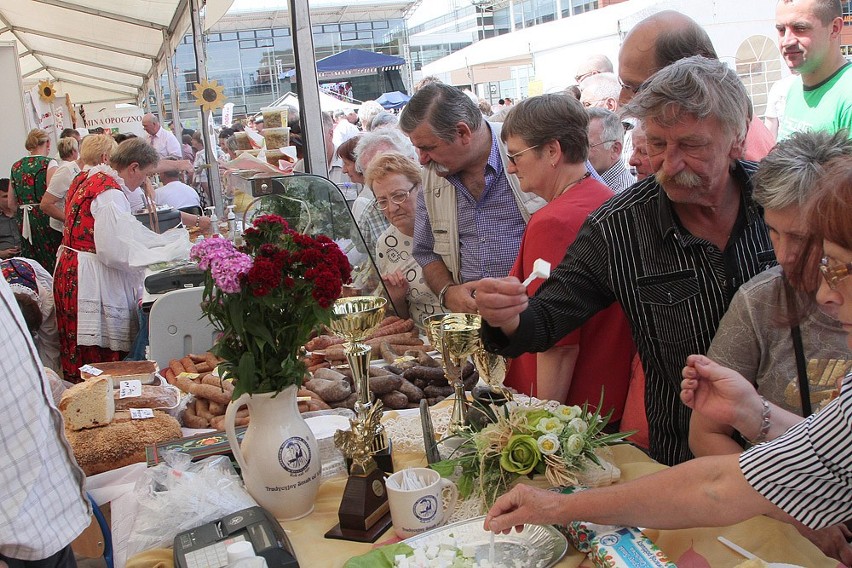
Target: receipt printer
206, 546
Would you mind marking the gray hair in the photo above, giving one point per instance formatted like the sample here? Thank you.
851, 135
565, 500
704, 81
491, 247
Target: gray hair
442, 107
788, 175
134, 150
612, 130
557, 116
385, 140
384, 119
367, 112
600, 86
696, 86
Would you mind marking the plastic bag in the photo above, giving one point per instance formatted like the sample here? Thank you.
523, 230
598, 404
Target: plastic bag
178, 495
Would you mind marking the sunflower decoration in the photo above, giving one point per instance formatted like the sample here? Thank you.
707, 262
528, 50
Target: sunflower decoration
46, 91
209, 96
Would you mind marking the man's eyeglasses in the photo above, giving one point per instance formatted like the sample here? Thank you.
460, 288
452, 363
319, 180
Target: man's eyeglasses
833, 274
599, 143
579, 78
516, 154
631, 88
589, 104
397, 198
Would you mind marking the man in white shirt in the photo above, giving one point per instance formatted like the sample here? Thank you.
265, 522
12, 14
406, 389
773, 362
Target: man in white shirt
41, 486
161, 139
175, 193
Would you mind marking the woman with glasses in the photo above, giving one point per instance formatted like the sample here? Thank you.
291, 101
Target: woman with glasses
395, 180
804, 473
547, 142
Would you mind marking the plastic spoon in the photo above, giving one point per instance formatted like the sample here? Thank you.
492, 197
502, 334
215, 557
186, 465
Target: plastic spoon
541, 269
751, 556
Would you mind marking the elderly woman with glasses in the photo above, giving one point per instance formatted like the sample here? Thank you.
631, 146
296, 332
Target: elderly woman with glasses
395, 180
547, 142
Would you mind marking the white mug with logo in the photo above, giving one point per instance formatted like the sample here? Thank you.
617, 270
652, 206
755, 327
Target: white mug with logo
414, 511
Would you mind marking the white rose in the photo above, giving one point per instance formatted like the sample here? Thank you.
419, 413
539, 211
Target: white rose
548, 444
578, 425
574, 444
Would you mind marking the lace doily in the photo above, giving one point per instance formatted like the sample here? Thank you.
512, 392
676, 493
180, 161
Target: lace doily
406, 433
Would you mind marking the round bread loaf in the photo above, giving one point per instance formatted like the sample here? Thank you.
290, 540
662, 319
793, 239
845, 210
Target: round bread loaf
121, 442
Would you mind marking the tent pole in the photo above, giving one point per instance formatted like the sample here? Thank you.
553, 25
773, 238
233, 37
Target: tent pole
213, 178
310, 112
160, 110
173, 92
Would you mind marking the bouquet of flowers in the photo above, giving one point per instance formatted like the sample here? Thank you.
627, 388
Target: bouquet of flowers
524, 440
267, 297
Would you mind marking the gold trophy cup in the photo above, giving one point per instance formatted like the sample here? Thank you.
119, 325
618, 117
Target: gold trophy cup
458, 336
363, 512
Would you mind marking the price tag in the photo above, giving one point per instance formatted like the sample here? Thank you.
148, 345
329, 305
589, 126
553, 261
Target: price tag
128, 389
94, 371
141, 413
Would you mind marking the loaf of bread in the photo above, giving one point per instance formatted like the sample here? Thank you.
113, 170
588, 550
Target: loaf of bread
121, 443
161, 397
88, 404
126, 371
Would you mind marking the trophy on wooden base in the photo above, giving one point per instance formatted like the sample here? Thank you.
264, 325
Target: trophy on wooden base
364, 512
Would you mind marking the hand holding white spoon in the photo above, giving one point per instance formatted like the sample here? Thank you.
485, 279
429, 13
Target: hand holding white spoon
541, 269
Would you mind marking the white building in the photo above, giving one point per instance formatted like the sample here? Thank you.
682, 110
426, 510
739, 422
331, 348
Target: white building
544, 57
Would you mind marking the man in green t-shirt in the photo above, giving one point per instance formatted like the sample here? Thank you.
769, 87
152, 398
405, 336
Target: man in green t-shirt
809, 39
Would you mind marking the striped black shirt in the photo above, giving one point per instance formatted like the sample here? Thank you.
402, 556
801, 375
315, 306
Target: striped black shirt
673, 287
807, 472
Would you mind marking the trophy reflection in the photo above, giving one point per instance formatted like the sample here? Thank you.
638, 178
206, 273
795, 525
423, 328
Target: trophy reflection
456, 336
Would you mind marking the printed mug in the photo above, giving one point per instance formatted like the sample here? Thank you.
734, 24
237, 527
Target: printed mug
419, 510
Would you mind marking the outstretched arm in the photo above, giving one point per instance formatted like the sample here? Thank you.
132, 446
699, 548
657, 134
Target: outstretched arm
703, 492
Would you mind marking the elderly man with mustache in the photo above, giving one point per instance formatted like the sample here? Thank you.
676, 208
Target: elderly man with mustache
672, 250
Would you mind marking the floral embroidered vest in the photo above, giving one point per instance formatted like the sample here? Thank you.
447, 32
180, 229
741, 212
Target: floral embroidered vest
79, 233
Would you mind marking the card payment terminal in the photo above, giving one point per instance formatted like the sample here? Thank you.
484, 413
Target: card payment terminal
206, 546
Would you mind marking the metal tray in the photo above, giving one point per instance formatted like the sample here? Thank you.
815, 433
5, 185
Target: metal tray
537, 546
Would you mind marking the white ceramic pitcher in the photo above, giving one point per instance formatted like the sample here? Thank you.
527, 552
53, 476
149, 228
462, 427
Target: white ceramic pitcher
279, 457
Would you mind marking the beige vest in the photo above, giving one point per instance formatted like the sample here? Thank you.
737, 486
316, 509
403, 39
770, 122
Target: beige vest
440, 198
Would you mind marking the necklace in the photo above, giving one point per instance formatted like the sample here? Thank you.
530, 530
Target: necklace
573, 183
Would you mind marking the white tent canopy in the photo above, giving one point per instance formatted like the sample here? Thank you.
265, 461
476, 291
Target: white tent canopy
327, 102
98, 50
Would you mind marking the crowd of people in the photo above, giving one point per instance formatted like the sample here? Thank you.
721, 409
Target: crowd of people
701, 261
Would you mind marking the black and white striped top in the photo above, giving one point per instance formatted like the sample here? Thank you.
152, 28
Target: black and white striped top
673, 287
807, 472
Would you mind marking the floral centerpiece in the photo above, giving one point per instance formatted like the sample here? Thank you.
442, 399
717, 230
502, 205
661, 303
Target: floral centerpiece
266, 298
558, 442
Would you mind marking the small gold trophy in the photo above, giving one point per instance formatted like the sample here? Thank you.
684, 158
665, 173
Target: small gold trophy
363, 512
457, 338
492, 370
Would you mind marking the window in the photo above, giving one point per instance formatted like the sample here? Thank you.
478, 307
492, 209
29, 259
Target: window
331, 29
263, 33
363, 26
347, 27
365, 35
228, 36
281, 32
349, 36
266, 42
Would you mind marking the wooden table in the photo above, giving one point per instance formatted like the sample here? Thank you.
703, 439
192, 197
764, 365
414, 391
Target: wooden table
769, 539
